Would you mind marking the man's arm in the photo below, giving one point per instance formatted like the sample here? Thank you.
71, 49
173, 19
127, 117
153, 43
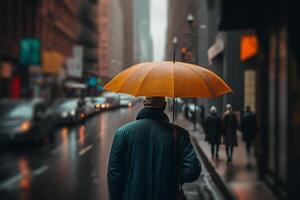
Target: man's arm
190, 167
116, 170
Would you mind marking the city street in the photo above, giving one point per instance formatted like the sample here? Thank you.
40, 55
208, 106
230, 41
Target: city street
72, 167
72, 72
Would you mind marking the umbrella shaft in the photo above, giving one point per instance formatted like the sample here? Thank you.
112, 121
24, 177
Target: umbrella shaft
174, 109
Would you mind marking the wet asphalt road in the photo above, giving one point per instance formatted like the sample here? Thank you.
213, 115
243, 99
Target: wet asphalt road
72, 167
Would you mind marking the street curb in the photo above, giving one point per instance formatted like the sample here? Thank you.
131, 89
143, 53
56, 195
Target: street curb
226, 192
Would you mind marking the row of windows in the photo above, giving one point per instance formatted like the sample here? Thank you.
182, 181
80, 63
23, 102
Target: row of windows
17, 18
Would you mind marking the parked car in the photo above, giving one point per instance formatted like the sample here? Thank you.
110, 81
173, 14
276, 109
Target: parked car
25, 121
81, 111
126, 100
100, 103
112, 99
64, 111
89, 106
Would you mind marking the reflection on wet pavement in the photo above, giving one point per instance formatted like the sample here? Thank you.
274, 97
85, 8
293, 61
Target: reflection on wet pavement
81, 134
73, 167
25, 182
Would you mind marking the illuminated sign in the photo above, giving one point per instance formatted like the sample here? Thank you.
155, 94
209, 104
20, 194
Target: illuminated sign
249, 47
30, 51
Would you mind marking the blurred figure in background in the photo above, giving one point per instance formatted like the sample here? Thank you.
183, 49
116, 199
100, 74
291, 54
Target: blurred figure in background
213, 128
230, 125
202, 115
248, 127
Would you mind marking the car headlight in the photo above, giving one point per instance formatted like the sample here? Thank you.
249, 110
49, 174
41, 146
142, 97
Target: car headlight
72, 112
25, 126
98, 105
82, 115
64, 114
129, 104
103, 105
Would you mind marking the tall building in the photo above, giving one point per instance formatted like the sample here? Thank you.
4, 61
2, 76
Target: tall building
88, 37
178, 27
111, 41
127, 9
142, 37
46, 26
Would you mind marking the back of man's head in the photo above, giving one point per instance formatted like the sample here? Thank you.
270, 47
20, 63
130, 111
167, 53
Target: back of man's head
228, 107
155, 102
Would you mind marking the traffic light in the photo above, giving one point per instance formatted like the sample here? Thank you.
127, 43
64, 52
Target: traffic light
186, 55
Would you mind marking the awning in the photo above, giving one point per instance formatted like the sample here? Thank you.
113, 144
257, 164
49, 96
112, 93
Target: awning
216, 48
75, 85
250, 14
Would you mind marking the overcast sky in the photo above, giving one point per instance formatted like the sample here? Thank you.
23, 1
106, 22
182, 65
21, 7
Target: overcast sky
158, 12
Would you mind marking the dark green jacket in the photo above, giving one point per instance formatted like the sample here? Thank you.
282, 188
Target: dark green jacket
142, 164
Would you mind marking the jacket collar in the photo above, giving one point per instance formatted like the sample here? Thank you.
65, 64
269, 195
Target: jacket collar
152, 113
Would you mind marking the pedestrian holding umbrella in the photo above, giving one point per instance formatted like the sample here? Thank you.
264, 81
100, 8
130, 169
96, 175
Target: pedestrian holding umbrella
141, 164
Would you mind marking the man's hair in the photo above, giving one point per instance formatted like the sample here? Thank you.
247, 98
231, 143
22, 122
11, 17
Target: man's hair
154, 102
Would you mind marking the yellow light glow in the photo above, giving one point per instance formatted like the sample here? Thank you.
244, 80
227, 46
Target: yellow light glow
82, 115
98, 105
103, 105
25, 126
129, 104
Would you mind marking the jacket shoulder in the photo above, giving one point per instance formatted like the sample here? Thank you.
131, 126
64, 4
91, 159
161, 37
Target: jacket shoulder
142, 123
137, 124
181, 130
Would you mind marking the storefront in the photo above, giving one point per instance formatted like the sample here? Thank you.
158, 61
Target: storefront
277, 90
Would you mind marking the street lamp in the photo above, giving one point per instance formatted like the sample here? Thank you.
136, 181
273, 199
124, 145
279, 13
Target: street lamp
190, 20
174, 41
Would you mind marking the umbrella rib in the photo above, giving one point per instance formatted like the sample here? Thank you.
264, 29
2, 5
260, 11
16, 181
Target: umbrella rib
143, 79
211, 94
130, 71
174, 80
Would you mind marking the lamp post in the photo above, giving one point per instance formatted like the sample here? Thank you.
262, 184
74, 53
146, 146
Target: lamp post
174, 41
190, 19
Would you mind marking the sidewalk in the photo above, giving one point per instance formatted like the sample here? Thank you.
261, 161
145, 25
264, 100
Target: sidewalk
242, 181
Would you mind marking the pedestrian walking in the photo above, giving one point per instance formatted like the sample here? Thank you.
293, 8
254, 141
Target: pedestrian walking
248, 127
212, 129
202, 115
230, 125
151, 157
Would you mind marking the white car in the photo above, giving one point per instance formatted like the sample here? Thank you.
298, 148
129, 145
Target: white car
126, 100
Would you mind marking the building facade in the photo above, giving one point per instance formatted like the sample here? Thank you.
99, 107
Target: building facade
276, 26
51, 24
127, 9
111, 38
142, 37
88, 39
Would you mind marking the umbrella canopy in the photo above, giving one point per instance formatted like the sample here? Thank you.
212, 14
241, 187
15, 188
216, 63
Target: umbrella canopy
168, 79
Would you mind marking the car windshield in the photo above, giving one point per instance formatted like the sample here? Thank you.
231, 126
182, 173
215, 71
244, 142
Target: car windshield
128, 97
65, 104
100, 99
15, 110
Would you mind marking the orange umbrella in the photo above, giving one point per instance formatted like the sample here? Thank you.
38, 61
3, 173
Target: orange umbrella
169, 79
